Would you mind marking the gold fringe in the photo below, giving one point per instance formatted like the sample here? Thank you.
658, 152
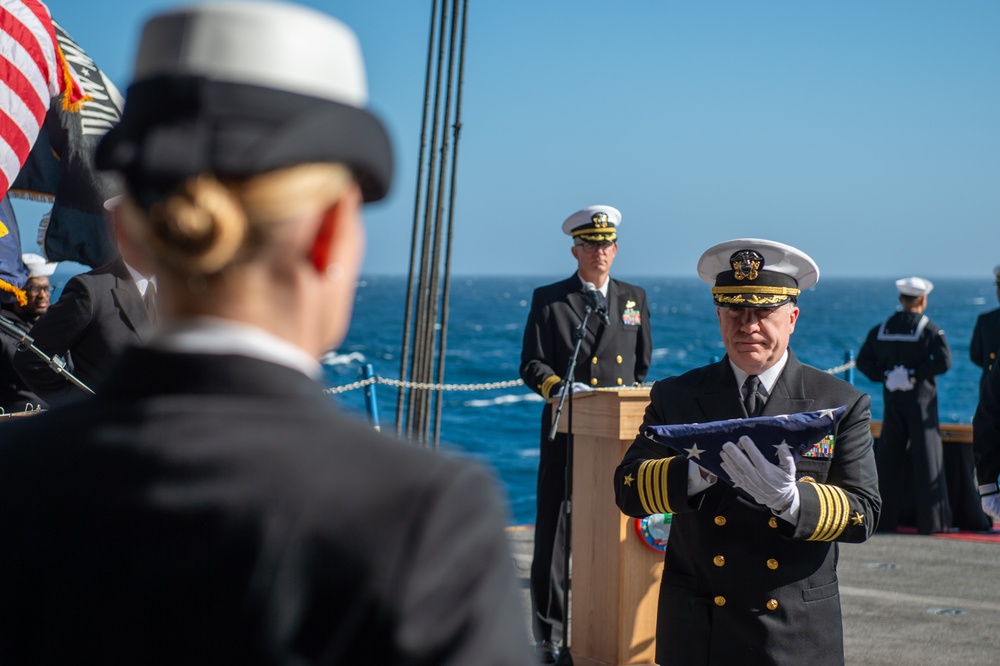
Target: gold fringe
68, 103
22, 297
27, 195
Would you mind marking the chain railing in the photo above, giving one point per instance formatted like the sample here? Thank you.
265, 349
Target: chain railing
361, 383
489, 386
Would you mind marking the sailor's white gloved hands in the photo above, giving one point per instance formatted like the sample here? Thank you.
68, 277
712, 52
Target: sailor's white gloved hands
578, 387
991, 506
699, 478
771, 485
898, 379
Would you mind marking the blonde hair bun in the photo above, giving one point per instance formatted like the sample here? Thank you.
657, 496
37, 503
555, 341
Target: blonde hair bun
199, 229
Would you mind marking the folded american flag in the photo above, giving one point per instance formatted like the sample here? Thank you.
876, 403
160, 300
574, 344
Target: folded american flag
807, 434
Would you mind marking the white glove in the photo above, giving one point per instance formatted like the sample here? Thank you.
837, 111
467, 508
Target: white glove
898, 379
578, 387
991, 506
771, 485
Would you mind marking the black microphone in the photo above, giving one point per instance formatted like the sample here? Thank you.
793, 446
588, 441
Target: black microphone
597, 303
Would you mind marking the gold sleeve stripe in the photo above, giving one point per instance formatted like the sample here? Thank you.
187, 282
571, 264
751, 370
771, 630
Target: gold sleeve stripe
547, 385
834, 512
652, 485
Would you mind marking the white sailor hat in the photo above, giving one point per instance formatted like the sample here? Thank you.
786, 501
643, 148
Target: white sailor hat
914, 286
37, 266
594, 223
243, 87
756, 273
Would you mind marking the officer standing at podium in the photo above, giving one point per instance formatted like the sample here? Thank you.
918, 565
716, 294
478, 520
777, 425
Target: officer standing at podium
615, 352
754, 581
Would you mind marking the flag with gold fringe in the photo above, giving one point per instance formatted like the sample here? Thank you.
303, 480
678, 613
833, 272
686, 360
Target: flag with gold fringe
60, 167
13, 272
33, 71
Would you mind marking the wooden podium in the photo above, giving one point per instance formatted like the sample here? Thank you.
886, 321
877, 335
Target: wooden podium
615, 576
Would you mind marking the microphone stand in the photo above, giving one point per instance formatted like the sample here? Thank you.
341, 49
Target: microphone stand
565, 659
26, 342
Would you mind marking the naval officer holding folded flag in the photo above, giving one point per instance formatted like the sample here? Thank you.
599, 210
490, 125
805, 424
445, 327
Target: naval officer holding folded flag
750, 568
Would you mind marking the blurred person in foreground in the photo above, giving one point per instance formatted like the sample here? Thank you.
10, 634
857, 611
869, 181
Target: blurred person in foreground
754, 581
210, 505
905, 354
15, 395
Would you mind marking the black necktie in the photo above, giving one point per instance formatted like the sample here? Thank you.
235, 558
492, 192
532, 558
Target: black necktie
149, 298
751, 399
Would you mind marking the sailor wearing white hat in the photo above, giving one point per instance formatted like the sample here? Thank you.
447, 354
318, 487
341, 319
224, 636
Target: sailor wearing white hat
760, 565
15, 394
615, 351
38, 289
210, 504
905, 353
914, 286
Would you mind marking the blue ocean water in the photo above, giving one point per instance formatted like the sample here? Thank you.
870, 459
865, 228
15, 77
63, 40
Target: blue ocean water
486, 321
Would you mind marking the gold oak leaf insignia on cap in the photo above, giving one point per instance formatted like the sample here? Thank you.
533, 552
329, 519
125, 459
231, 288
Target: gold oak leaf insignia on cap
746, 264
600, 219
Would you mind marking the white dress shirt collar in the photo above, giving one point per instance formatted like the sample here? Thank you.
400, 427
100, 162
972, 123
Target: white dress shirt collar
214, 335
141, 281
767, 378
603, 288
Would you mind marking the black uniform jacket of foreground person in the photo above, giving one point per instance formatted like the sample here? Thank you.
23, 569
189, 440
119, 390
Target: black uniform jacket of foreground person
209, 509
740, 585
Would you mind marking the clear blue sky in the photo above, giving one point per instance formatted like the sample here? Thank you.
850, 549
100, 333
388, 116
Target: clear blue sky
866, 132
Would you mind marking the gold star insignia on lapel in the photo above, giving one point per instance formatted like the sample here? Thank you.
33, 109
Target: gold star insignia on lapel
858, 518
629, 479
694, 452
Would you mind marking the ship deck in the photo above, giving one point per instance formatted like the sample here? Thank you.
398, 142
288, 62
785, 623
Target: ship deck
906, 598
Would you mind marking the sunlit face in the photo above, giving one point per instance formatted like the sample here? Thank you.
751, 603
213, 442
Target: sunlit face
595, 258
756, 338
39, 292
